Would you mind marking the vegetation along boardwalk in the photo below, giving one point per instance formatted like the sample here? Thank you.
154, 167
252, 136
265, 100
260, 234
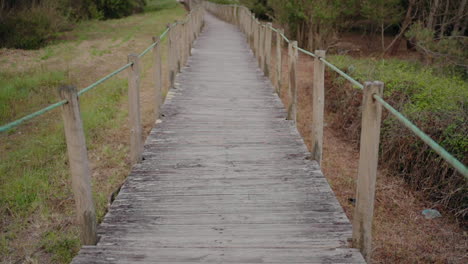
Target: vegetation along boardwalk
225, 178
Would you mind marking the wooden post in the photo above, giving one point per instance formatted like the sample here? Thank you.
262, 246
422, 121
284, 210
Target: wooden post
268, 33
367, 172
279, 60
318, 104
293, 56
177, 50
136, 140
252, 33
79, 165
157, 68
182, 45
185, 44
171, 56
190, 35
261, 48
234, 16
255, 38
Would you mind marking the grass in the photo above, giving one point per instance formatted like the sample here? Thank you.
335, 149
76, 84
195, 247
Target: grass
428, 88
37, 219
21, 92
435, 100
400, 233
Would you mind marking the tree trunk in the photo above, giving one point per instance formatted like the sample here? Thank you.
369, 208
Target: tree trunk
460, 17
382, 32
396, 42
430, 19
444, 19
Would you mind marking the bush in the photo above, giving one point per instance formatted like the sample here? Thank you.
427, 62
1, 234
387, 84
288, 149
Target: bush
31, 28
436, 103
119, 8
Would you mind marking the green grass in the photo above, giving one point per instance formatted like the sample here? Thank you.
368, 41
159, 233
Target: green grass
434, 99
62, 245
22, 92
157, 5
428, 88
34, 173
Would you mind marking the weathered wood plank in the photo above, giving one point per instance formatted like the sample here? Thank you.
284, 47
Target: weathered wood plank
225, 178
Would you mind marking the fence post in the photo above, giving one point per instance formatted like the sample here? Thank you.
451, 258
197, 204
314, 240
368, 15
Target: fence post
268, 33
79, 165
171, 56
157, 68
279, 58
367, 172
234, 16
136, 141
177, 43
318, 104
261, 48
253, 30
293, 56
257, 39
182, 45
190, 34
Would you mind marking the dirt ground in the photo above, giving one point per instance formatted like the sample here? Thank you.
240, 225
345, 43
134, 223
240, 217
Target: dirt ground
109, 168
400, 233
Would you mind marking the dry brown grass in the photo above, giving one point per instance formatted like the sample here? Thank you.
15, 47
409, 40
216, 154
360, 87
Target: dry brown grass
400, 233
110, 164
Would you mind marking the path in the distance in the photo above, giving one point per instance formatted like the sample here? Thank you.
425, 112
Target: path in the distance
225, 178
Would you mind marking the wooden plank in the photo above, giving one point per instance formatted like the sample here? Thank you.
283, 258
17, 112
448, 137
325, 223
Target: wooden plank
225, 178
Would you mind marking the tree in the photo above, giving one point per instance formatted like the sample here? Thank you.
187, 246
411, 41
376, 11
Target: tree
383, 14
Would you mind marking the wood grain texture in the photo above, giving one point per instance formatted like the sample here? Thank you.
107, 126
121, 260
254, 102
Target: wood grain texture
293, 56
268, 36
367, 172
134, 115
79, 165
225, 178
157, 71
318, 106
279, 60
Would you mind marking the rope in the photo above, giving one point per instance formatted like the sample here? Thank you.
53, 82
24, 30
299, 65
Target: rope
307, 52
340, 72
104, 79
460, 167
42, 111
31, 116
425, 138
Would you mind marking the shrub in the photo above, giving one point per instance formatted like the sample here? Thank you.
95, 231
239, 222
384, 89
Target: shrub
31, 28
437, 104
119, 8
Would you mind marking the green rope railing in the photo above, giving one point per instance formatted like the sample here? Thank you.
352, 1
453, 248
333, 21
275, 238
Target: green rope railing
424, 137
449, 158
44, 110
31, 116
104, 79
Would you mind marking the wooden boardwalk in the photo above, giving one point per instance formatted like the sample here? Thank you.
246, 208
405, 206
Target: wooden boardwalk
225, 178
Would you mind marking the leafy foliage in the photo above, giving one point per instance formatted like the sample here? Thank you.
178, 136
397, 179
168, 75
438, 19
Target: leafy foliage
434, 100
31, 24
